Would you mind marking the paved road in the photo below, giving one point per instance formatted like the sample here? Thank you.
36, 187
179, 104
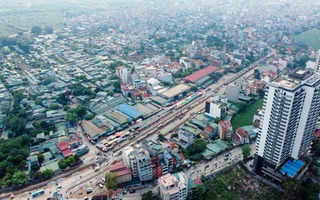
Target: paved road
217, 163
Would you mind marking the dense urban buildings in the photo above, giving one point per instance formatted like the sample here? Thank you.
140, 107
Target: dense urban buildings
121, 93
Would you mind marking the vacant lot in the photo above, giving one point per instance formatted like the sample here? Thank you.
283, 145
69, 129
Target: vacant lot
237, 184
245, 118
310, 38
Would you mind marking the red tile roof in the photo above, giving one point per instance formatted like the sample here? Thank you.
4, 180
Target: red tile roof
209, 128
117, 166
242, 132
182, 156
225, 124
66, 153
124, 171
63, 145
200, 74
317, 134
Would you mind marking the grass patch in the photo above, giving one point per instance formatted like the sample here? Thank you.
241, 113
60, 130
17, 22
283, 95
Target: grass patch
236, 184
245, 117
310, 38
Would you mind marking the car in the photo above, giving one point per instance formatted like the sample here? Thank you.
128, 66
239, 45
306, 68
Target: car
89, 190
132, 191
100, 185
192, 172
103, 180
85, 198
207, 166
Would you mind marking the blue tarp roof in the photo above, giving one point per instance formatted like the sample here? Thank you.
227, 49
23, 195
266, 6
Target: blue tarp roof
128, 110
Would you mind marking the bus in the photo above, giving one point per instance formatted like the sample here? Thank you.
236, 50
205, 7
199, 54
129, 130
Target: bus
38, 193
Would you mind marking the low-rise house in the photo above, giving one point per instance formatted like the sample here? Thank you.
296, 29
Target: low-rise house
124, 173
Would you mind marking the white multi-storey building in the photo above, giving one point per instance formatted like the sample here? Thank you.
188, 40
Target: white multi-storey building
129, 158
289, 115
318, 62
138, 159
123, 74
173, 186
216, 106
144, 165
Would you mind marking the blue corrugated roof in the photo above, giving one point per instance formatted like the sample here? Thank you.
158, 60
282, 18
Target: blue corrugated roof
128, 110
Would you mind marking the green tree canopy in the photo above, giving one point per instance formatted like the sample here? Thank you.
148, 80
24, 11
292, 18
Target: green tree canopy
36, 30
19, 178
149, 196
111, 180
40, 158
47, 173
246, 149
72, 117
197, 146
256, 74
48, 30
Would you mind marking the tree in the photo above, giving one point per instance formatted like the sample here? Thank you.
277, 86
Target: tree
149, 196
194, 88
72, 117
197, 146
80, 111
117, 86
40, 158
47, 173
36, 30
133, 69
246, 149
292, 189
63, 164
19, 178
303, 60
62, 99
111, 180
256, 74
89, 116
198, 193
48, 30
161, 137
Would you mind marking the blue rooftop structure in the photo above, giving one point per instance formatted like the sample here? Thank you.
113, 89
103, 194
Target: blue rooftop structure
292, 167
168, 156
128, 110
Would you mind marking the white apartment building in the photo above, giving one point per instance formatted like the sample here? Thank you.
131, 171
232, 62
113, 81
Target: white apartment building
289, 115
129, 158
173, 186
216, 106
318, 62
144, 165
123, 74
138, 159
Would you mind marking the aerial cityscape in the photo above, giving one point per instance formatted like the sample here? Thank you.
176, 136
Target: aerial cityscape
160, 100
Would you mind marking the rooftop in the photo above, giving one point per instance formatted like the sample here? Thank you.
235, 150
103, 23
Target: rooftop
117, 166
200, 74
286, 83
91, 129
167, 180
179, 89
